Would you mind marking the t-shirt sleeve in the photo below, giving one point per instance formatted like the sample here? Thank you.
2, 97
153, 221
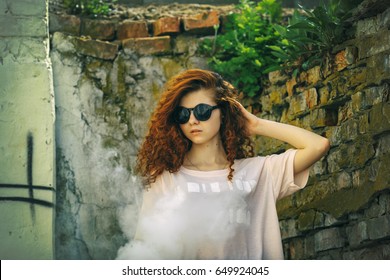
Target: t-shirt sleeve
280, 168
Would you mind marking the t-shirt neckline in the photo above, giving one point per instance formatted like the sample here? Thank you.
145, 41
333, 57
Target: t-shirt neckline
205, 173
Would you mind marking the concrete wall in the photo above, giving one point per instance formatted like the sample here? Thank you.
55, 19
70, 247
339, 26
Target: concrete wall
26, 132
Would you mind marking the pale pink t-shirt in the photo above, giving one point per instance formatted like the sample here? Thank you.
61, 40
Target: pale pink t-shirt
201, 215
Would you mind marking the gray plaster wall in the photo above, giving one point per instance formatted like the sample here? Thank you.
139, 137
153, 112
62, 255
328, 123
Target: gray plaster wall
27, 141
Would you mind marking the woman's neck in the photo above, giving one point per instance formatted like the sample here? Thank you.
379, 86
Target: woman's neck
206, 157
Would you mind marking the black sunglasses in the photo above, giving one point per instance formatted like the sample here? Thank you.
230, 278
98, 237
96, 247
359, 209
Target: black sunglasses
202, 112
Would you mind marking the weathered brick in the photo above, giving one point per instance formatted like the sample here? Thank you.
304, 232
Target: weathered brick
318, 168
384, 202
383, 148
186, 44
298, 104
357, 102
376, 252
64, 23
166, 26
343, 180
290, 84
309, 220
338, 159
311, 76
329, 220
372, 25
311, 97
363, 123
354, 78
367, 175
323, 95
202, 23
357, 233
288, 228
366, 27
345, 112
304, 121
309, 247
98, 49
332, 134
314, 192
98, 29
378, 227
345, 58
375, 210
318, 118
375, 95
276, 95
297, 249
329, 238
346, 155
148, 46
349, 130
370, 45
378, 67
132, 29
379, 118
277, 77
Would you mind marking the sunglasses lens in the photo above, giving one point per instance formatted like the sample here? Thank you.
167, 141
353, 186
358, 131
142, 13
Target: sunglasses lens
182, 115
202, 112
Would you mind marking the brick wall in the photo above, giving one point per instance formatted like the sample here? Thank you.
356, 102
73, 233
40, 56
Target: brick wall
344, 211
144, 37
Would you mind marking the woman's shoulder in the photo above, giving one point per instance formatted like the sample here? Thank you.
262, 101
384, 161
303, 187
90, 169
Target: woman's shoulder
249, 162
255, 161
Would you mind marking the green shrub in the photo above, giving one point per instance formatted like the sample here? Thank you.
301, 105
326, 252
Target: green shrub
256, 41
310, 36
89, 7
241, 53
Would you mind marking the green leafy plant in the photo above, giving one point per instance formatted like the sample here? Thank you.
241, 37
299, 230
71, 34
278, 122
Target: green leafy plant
241, 54
89, 7
311, 34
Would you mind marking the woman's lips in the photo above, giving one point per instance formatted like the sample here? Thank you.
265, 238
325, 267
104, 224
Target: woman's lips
195, 131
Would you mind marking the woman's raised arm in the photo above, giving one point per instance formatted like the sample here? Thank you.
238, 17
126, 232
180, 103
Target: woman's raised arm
311, 147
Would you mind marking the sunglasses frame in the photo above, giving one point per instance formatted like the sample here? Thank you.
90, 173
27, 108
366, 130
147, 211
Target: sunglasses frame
210, 108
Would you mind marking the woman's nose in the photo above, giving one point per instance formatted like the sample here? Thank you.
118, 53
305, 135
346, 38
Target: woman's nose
193, 119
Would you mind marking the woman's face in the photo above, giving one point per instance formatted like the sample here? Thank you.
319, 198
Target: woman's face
201, 132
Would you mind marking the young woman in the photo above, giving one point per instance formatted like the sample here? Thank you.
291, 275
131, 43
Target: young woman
207, 195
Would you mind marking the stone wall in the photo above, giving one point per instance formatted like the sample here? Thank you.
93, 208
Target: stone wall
27, 142
344, 212
108, 75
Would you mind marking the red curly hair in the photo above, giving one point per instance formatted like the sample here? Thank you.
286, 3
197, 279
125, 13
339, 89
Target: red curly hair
165, 145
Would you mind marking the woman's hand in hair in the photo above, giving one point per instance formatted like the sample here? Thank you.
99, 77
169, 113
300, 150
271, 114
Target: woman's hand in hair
253, 122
